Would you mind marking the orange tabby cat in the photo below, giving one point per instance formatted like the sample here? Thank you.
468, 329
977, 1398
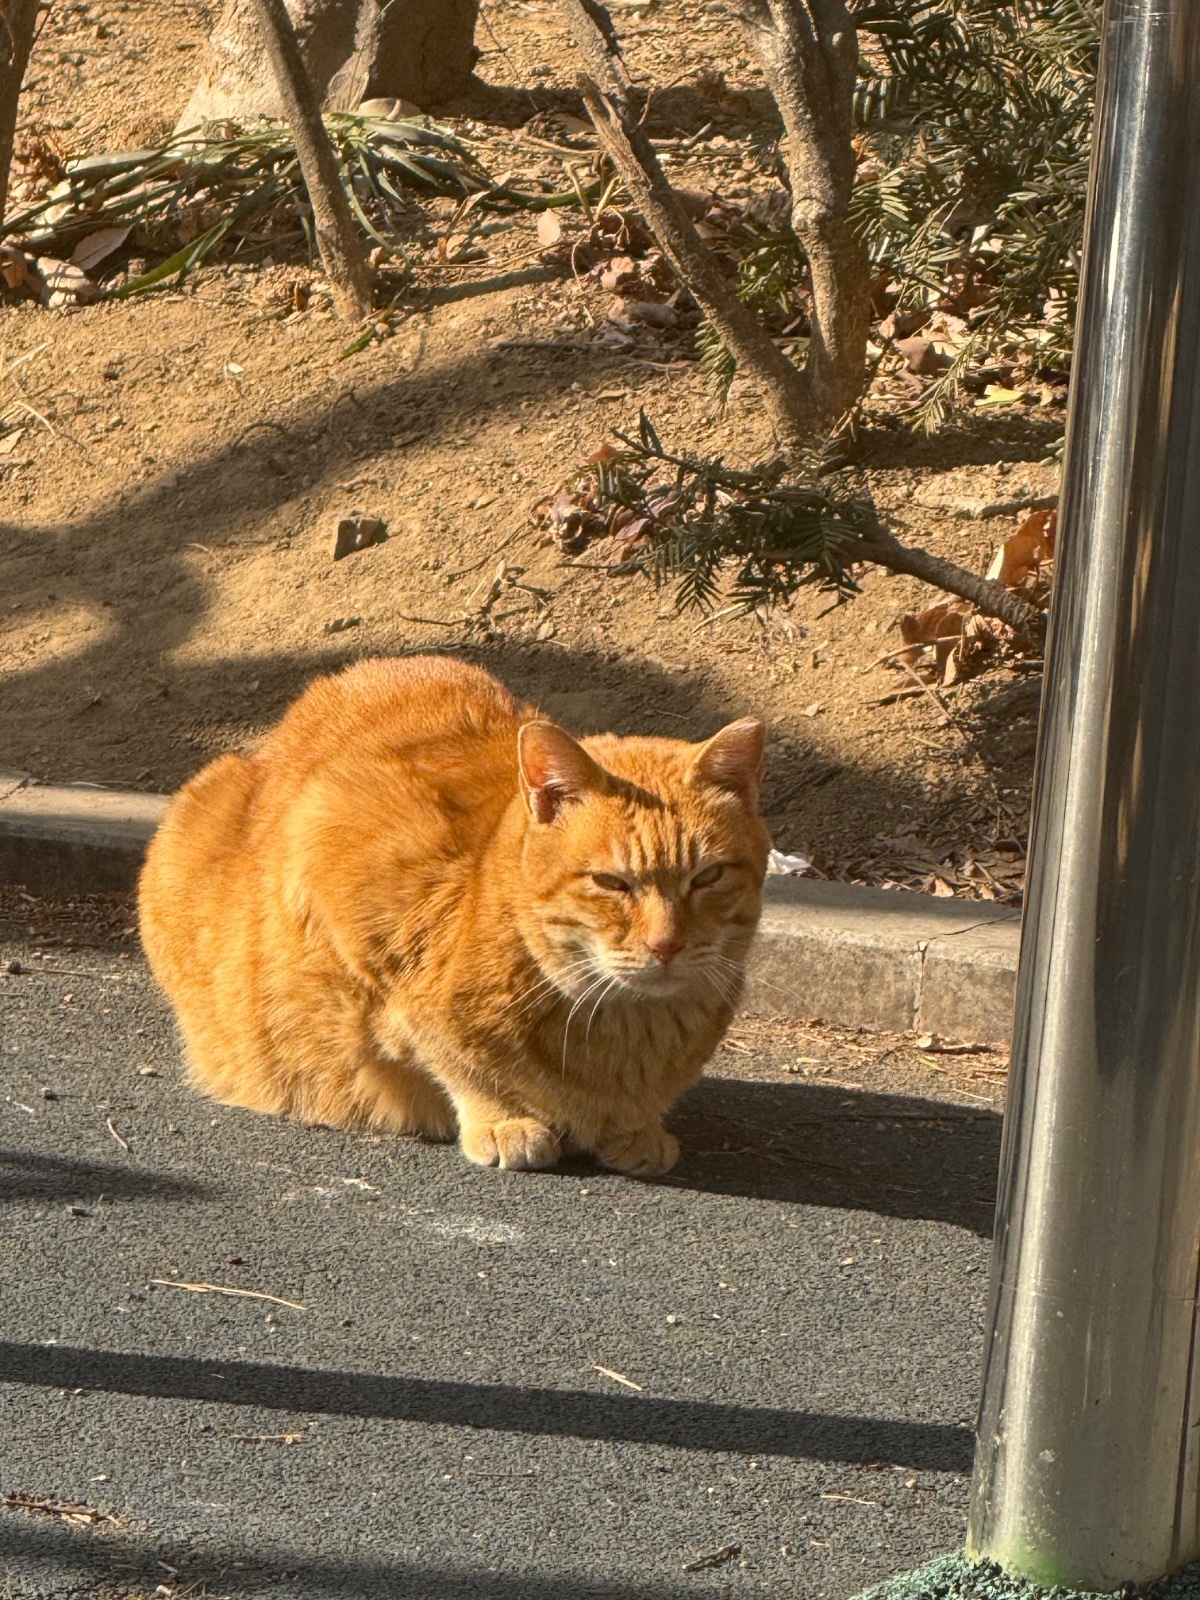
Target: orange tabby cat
421, 907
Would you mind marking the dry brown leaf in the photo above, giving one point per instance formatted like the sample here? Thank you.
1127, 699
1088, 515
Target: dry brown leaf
923, 629
549, 229
14, 266
64, 281
1023, 554
89, 252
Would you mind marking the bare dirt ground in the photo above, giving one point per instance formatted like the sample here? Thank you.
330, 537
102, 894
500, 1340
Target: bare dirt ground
167, 514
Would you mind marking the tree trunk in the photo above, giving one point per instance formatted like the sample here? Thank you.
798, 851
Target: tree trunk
18, 28
338, 240
421, 51
808, 50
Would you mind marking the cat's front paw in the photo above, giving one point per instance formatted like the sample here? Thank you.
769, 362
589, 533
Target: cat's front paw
518, 1142
642, 1152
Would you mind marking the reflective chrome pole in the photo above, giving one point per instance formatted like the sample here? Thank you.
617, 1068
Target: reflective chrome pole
1087, 1470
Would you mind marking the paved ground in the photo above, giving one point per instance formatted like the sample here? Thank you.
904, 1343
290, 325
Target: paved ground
794, 1316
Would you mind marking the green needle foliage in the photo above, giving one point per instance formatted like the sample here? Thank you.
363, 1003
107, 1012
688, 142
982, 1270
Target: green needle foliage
974, 122
976, 131
712, 532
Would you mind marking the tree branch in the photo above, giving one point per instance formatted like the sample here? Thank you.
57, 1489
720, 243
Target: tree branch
338, 240
787, 392
992, 598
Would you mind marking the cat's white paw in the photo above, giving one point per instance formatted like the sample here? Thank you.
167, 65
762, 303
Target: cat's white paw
643, 1152
517, 1143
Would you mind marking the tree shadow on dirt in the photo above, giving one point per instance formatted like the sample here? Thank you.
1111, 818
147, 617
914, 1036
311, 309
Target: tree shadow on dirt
676, 108
134, 675
972, 442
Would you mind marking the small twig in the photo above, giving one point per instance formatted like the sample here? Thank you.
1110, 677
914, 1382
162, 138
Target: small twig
218, 1288
431, 622
124, 1143
513, 533
928, 689
265, 1438
896, 694
617, 1377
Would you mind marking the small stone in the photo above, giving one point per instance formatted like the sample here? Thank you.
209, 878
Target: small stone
357, 533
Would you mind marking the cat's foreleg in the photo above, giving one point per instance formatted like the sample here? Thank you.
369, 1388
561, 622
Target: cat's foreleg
644, 1152
492, 1136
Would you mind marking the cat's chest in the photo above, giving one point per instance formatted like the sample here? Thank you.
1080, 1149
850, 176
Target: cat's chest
624, 1039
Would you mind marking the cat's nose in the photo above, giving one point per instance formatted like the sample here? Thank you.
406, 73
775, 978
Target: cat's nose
665, 949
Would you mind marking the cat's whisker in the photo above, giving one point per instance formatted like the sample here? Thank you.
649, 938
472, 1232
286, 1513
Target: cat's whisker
612, 984
591, 989
550, 983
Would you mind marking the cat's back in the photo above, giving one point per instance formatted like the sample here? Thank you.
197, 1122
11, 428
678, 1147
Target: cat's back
377, 783
430, 710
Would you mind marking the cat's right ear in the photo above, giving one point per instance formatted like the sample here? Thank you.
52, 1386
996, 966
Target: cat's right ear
554, 769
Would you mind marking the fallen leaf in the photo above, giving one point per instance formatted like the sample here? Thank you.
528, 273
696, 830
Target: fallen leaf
10, 441
92, 249
939, 627
620, 269
549, 229
14, 266
649, 312
923, 356
994, 395
1024, 553
64, 280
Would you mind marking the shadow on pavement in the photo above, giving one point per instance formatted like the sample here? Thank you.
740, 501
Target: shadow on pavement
827, 1145
570, 1413
25, 1176
28, 1550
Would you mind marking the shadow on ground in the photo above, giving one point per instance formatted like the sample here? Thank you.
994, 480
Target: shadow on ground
104, 1564
824, 1145
504, 1408
25, 1176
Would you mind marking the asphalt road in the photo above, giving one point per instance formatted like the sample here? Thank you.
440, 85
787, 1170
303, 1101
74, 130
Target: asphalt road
754, 1378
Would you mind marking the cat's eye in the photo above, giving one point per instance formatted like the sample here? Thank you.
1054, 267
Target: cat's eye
609, 881
708, 876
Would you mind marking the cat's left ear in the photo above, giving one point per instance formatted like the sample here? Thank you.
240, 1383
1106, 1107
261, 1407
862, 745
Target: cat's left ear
554, 769
732, 759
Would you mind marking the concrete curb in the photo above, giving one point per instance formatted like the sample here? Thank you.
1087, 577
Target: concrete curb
870, 958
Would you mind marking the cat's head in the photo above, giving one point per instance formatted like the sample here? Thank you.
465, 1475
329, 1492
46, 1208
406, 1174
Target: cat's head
643, 859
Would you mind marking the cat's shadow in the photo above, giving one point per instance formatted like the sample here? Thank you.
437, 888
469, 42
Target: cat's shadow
825, 1145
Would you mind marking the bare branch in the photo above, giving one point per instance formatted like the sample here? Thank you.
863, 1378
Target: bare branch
340, 243
992, 598
786, 391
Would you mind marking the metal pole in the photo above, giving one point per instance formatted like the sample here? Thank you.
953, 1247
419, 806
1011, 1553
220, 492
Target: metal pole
1087, 1470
